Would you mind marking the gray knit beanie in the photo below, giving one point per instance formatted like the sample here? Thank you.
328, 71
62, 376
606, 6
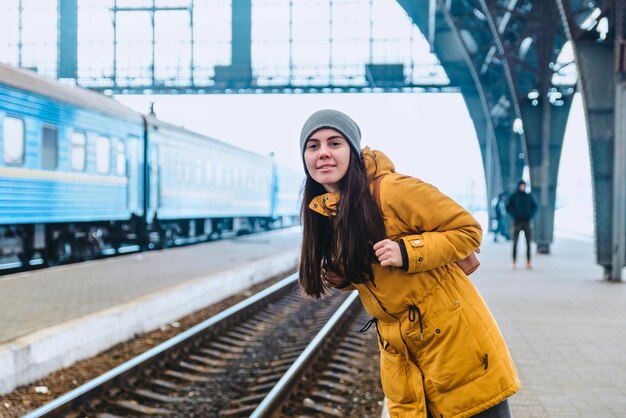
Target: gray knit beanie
329, 118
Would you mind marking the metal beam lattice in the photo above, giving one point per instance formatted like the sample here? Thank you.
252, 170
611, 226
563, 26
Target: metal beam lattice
310, 26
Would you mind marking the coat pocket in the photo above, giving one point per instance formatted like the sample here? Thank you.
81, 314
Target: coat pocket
394, 375
449, 353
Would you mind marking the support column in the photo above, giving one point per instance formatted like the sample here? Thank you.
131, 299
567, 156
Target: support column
242, 33
544, 128
619, 183
492, 172
486, 143
511, 157
68, 39
239, 73
619, 172
595, 62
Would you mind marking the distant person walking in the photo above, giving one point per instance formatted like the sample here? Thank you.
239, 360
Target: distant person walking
499, 213
522, 207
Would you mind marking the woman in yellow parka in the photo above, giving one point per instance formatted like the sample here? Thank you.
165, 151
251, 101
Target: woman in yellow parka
396, 240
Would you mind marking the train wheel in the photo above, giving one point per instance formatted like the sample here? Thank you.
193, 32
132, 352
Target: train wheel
169, 238
61, 252
65, 250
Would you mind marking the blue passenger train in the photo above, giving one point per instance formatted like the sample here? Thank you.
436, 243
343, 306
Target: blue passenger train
83, 176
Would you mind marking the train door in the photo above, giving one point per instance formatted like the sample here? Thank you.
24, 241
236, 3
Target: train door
155, 181
134, 179
274, 190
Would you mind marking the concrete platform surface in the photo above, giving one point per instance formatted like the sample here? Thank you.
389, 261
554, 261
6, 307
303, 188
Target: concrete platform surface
565, 326
51, 318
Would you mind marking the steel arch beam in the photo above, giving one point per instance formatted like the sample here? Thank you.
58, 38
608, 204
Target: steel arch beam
491, 35
600, 78
544, 118
493, 126
545, 128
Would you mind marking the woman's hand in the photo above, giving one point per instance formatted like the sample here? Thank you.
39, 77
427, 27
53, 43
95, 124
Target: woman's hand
388, 253
332, 279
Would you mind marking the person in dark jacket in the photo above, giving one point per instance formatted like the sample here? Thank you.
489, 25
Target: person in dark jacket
522, 207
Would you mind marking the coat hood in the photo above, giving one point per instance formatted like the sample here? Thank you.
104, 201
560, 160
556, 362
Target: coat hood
377, 163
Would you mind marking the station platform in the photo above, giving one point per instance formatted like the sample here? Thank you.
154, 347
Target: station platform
565, 327
51, 318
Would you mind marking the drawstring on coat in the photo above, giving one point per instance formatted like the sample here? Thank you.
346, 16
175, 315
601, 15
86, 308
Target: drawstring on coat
368, 325
412, 310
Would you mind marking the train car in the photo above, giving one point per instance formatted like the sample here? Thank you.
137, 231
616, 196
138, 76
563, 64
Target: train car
287, 196
83, 176
71, 173
194, 182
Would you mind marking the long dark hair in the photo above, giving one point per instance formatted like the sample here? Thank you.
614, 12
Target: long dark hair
343, 243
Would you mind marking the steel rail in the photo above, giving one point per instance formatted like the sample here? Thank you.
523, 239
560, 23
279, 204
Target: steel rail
77, 395
273, 399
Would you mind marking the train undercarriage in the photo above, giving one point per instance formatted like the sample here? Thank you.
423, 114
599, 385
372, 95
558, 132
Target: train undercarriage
29, 246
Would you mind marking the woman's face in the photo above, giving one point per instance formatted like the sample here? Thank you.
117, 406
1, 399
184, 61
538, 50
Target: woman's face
327, 156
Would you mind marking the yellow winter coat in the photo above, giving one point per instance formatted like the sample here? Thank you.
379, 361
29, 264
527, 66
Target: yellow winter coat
440, 347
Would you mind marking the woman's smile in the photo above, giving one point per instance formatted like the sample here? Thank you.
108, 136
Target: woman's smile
326, 168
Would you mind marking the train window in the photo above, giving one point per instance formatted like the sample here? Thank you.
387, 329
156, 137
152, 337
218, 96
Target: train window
49, 148
179, 168
219, 175
103, 155
228, 176
155, 183
13, 140
236, 178
187, 170
198, 172
208, 172
77, 153
250, 180
120, 159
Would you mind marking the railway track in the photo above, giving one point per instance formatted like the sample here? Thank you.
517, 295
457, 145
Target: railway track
275, 353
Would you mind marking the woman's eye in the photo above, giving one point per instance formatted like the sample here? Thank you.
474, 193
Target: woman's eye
312, 146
